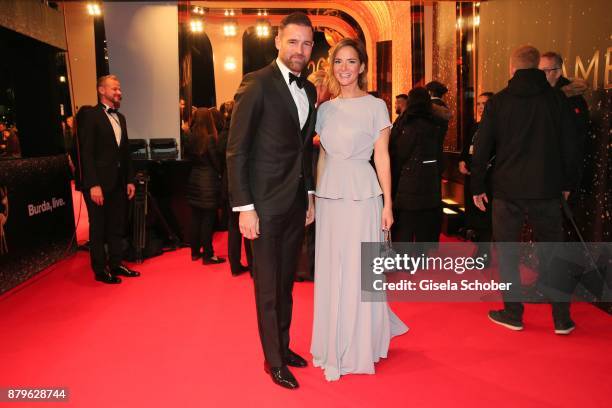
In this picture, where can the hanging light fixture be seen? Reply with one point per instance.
(197, 26)
(263, 29)
(93, 9)
(230, 28)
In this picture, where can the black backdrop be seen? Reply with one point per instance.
(40, 223)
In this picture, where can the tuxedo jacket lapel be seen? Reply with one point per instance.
(108, 127)
(283, 89)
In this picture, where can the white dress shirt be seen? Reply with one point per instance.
(303, 107)
(114, 121)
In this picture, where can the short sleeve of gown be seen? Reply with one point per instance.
(320, 117)
(381, 118)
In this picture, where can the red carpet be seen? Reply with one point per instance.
(185, 335)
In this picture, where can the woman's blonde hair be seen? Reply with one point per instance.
(357, 45)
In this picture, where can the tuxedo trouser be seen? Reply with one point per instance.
(275, 255)
(508, 218)
(107, 226)
(234, 242)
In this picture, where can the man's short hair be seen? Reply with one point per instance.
(554, 56)
(525, 57)
(487, 94)
(103, 79)
(402, 96)
(297, 18)
(437, 89)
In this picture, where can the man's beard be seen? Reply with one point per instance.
(296, 65)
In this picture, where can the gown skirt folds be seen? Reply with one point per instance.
(349, 335)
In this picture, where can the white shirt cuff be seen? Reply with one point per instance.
(248, 207)
(311, 192)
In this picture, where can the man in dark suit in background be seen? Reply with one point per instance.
(107, 179)
(269, 161)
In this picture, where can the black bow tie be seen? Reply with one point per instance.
(298, 80)
(111, 110)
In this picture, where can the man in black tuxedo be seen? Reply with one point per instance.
(269, 161)
(107, 179)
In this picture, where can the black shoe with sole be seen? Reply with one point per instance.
(212, 260)
(565, 326)
(106, 277)
(295, 360)
(503, 318)
(281, 376)
(124, 271)
(240, 270)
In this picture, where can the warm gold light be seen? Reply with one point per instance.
(93, 9)
(262, 13)
(459, 23)
(477, 21)
(263, 29)
(197, 26)
(229, 64)
(229, 13)
(62, 78)
(198, 10)
(230, 29)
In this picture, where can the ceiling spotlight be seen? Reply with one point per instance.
(230, 29)
(262, 13)
(62, 78)
(263, 29)
(229, 13)
(230, 64)
(93, 9)
(198, 10)
(197, 26)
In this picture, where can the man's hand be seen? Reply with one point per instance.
(310, 214)
(96, 195)
(249, 224)
(463, 168)
(131, 189)
(479, 201)
(566, 195)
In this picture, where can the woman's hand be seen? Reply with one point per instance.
(387, 218)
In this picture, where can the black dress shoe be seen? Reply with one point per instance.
(281, 376)
(295, 360)
(195, 257)
(242, 269)
(212, 260)
(106, 277)
(124, 271)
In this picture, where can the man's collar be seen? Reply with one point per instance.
(284, 70)
(107, 107)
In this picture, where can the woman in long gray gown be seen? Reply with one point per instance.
(349, 335)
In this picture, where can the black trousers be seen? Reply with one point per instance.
(508, 217)
(418, 225)
(234, 242)
(275, 255)
(479, 221)
(202, 229)
(107, 226)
